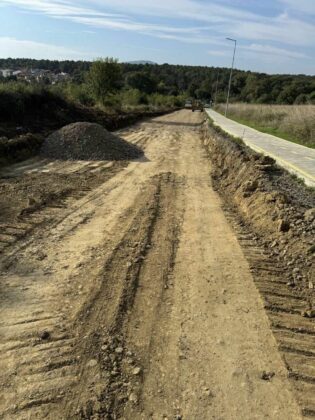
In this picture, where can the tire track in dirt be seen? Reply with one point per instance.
(134, 255)
(40, 215)
(35, 216)
(210, 340)
(135, 301)
(45, 369)
(295, 334)
(50, 367)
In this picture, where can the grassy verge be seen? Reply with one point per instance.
(240, 143)
(273, 131)
(293, 123)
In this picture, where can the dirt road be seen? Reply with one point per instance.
(135, 301)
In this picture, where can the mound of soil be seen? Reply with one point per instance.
(87, 141)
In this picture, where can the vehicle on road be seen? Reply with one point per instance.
(197, 106)
(208, 104)
(188, 104)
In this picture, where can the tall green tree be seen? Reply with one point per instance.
(105, 77)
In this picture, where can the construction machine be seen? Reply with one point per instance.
(197, 106)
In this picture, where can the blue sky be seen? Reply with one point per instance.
(274, 36)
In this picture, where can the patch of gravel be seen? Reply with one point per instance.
(87, 141)
(295, 189)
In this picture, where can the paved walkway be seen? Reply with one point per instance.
(297, 159)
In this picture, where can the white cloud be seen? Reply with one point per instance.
(269, 50)
(218, 53)
(306, 6)
(221, 20)
(62, 9)
(12, 47)
(57, 8)
(281, 29)
(130, 25)
(227, 20)
(205, 40)
(209, 12)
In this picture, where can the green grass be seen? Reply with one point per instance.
(240, 142)
(295, 123)
(273, 131)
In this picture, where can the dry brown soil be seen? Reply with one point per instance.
(129, 297)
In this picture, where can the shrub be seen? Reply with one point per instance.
(80, 93)
(18, 99)
(133, 97)
(301, 99)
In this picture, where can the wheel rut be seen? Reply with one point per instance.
(129, 296)
(123, 276)
(57, 371)
(284, 305)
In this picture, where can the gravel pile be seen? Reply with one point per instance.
(87, 141)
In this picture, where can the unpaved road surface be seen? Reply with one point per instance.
(132, 299)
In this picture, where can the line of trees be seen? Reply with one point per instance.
(177, 80)
(103, 84)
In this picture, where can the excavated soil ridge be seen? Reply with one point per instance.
(276, 205)
(87, 141)
(273, 215)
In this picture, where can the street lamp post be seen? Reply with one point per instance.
(230, 81)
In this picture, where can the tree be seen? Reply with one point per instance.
(105, 77)
(264, 99)
(311, 98)
(301, 99)
(192, 88)
(166, 79)
(202, 93)
(287, 95)
(142, 81)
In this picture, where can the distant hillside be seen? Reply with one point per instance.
(141, 62)
(194, 81)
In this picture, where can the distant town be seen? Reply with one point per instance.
(35, 75)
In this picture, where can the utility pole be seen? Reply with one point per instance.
(230, 81)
